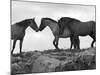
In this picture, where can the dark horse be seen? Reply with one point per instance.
(18, 31)
(55, 30)
(79, 28)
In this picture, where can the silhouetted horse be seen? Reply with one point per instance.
(18, 31)
(78, 28)
(55, 30)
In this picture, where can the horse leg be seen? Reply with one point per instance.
(56, 42)
(94, 39)
(92, 42)
(14, 43)
(71, 40)
(21, 42)
(76, 42)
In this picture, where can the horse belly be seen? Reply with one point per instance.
(82, 29)
(18, 36)
(66, 34)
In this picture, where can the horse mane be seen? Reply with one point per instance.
(50, 19)
(65, 21)
(74, 19)
(23, 22)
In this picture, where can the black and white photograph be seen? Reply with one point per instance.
(52, 37)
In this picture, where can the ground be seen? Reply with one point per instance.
(53, 61)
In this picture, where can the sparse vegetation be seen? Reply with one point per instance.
(53, 61)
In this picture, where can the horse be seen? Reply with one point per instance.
(18, 31)
(53, 25)
(79, 28)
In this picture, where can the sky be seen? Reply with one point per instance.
(43, 40)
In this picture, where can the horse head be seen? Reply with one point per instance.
(42, 24)
(33, 25)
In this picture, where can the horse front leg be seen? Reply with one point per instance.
(21, 42)
(71, 40)
(14, 44)
(55, 42)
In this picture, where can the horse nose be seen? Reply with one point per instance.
(37, 30)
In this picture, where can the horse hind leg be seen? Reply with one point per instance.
(76, 42)
(14, 43)
(94, 39)
(92, 43)
(21, 42)
(73, 43)
(71, 40)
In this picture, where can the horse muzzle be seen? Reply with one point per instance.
(37, 30)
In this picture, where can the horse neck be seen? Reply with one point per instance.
(54, 27)
(24, 25)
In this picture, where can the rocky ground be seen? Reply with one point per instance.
(53, 61)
